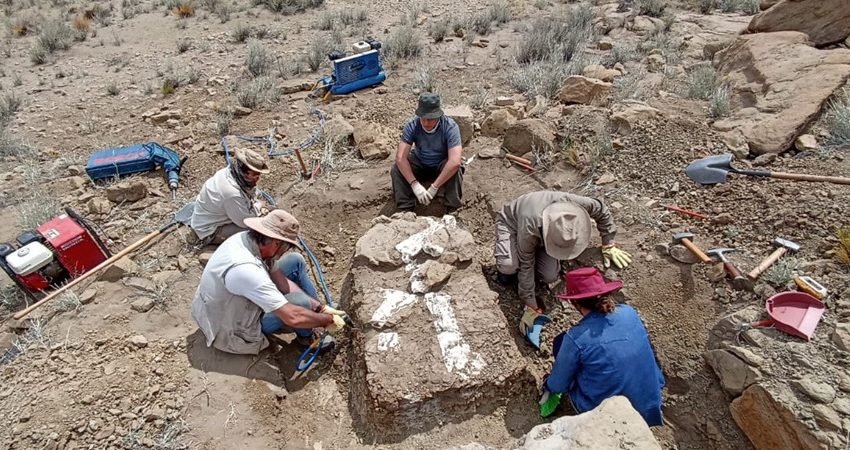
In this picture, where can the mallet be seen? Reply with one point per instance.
(783, 246)
(686, 239)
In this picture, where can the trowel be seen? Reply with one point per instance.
(533, 333)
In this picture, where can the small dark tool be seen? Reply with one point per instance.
(739, 281)
(783, 246)
(308, 357)
(686, 239)
(715, 169)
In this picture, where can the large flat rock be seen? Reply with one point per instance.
(433, 345)
(824, 21)
(612, 425)
(780, 82)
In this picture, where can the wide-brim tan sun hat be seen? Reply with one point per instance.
(277, 224)
(252, 159)
(566, 230)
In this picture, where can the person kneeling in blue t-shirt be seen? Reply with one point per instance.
(607, 353)
(435, 159)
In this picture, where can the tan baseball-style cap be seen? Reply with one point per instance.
(252, 159)
(277, 224)
(566, 230)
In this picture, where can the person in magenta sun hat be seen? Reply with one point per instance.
(607, 353)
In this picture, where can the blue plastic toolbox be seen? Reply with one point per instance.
(123, 161)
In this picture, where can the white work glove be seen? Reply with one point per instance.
(420, 193)
(432, 192)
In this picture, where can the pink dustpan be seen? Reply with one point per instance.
(795, 313)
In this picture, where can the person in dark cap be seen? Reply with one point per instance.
(430, 153)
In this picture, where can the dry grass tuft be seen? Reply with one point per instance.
(184, 8)
(82, 23)
(842, 253)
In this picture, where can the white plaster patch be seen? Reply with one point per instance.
(411, 246)
(456, 353)
(388, 340)
(394, 301)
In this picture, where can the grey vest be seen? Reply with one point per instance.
(230, 322)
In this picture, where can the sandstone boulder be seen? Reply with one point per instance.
(779, 85)
(293, 86)
(462, 115)
(584, 90)
(806, 142)
(118, 270)
(645, 25)
(824, 21)
(127, 191)
(99, 205)
(599, 72)
(527, 135)
(766, 4)
(627, 114)
(612, 425)
(764, 416)
(373, 141)
(338, 129)
(497, 123)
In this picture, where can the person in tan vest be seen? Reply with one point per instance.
(537, 231)
(249, 289)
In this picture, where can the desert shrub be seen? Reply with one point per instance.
(440, 29)
(425, 78)
(842, 252)
(500, 11)
(326, 21)
(257, 92)
(653, 8)
(623, 53)
(22, 25)
(728, 6)
(702, 82)
(10, 103)
(481, 23)
(38, 55)
(838, 120)
(750, 7)
(634, 86)
(55, 35)
(289, 6)
(257, 61)
(352, 16)
(223, 120)
(169, 85)
(241, 33)
(316, 54)
(183, 8)
(706, 6)
(183, 45)
(557, 36)
(719, 102)
(82, 23)
(403, 43)
(544, 78)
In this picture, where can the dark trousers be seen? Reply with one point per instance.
(404, 197)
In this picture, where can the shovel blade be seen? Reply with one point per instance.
(710, 170)
(184, 215)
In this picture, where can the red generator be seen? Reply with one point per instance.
(61, 249)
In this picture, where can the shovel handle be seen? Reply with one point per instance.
(755, 273)
(807, 177)
(762, 323)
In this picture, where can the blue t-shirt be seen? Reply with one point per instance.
(606, 355)
(431, 149)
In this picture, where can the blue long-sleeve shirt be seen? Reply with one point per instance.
(606, 355)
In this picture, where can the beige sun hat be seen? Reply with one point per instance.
(566, 230)
(277, 224)
(252, 159)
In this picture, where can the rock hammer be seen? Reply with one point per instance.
(739, 281)
(685, 239)
(783, 246)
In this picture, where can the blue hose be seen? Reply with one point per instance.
(315, 261)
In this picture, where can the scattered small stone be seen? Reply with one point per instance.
(806, 142)
(241, 111)
(204, 257)
(683, 255)
(121, 267)
(139, 341)
(844, 382)
(504, 101)
(490, 152)
(827, 418)
(764, 160)
(182, 262)
(329, 250)
(662, 248)
(127, 192)
(716, 272)
(141, 283)
(723, 219)
(764, 290)
(88, 296)
(841, 336)
(606, 178)
(143, 304)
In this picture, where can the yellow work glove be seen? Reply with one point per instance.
(620, 258)
(339, 324)
(528, 318)
(328, 310)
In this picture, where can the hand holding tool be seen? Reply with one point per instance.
(739, 281)
(337, 312)
(686, 239)
(338, 324)
(783, 246)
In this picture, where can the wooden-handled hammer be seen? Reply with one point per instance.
(739, 281)
(685, 239)
(783, 246)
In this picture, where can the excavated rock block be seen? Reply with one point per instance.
(627, 114)
(779, 85)
(824, 21)
(767, 420)
(338, 129)
(527, 135)
(497, 123)
(432, 344)
(612, 425)
(127, 191)
(372, 141)
(462, 115)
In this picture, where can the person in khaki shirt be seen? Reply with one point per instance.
(537, 231)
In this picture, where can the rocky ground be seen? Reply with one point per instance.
(110, 366)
